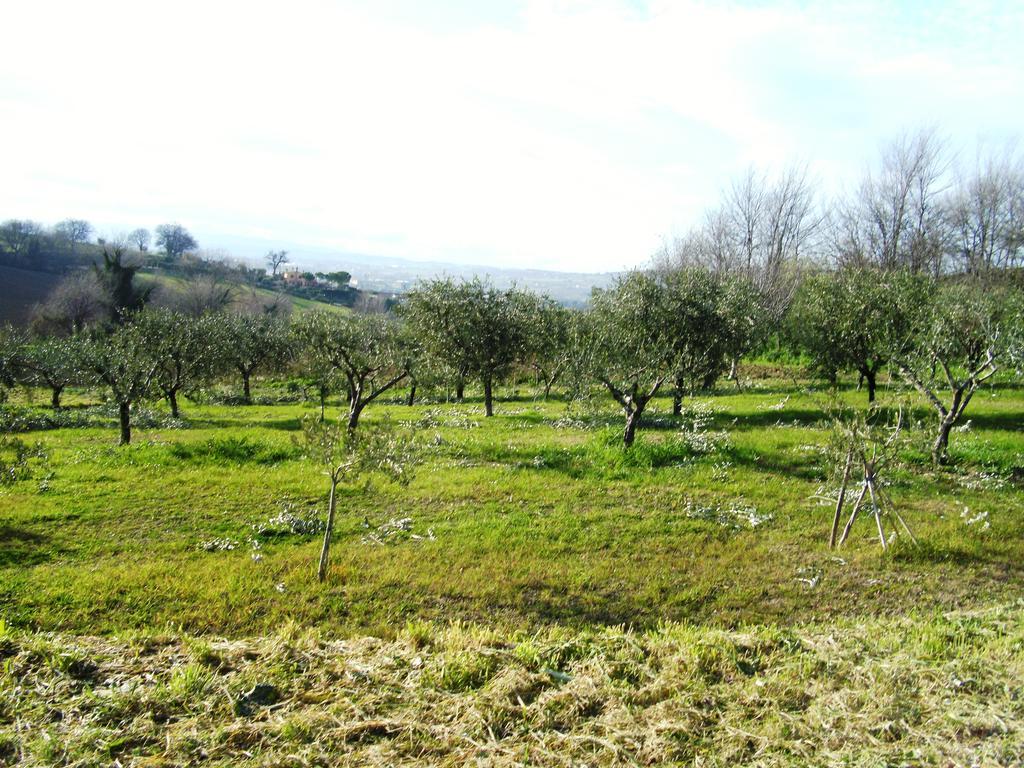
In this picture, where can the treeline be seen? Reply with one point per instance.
(675, 331)
(920, 207)
(912, 275)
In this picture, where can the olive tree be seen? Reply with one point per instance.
(696, 325)
(472, 328)
(628, 343)
(856, 319)
(365, 350)
(745, 319)
(254, 342)
(347, 456)
(12, 344)
(549, 345)
(958, 345)
(125, 361)
(190, 351)
(52, 363)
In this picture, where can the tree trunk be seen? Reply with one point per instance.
(355, 408)
(677, 396)
(547, 387)
(321, 571)
(709, 380)
(323, 402)
(734, 372)
(172, 399)
(125, 418)
(246, 392)
(940, 449)
(55, 393)
(460, 389)
(869, 376)
(412, 395)
(488, 397)
(632, 421)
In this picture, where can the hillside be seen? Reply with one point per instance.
(20, 290)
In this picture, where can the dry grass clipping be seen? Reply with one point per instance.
(929, 690)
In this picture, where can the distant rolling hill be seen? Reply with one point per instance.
(397, 275)
(20, 290)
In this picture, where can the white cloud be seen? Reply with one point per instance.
(572, 136)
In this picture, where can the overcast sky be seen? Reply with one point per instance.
(564, 135)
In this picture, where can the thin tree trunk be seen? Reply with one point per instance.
(940, 449)
(354, 410)
(321, 571)
(124, 412)
(488, 397)
(632, 421)
(323, 402)
(412, 395)
(460, 389)
(870, 377)
(55, 393)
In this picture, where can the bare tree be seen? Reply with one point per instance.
(201, 294)
(276, 260)
(140, 238)
(74, 304)
(985, 215)
(175, 240)
(894, 219)
(761, 232)
(73, 232)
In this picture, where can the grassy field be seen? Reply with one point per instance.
(535, 596)
(533, 517)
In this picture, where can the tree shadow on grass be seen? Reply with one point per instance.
(776, 462)
(293, 424)
(19, 547)
(950, 554)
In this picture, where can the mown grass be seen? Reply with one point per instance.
(924, 689)
(535, 517)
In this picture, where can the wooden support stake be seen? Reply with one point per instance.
(842, 497)
(886, 498)
(853, 515)
(878, 514)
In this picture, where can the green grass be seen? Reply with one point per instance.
(298, 303)
(533, 518)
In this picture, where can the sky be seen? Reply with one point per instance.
(561, 135)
